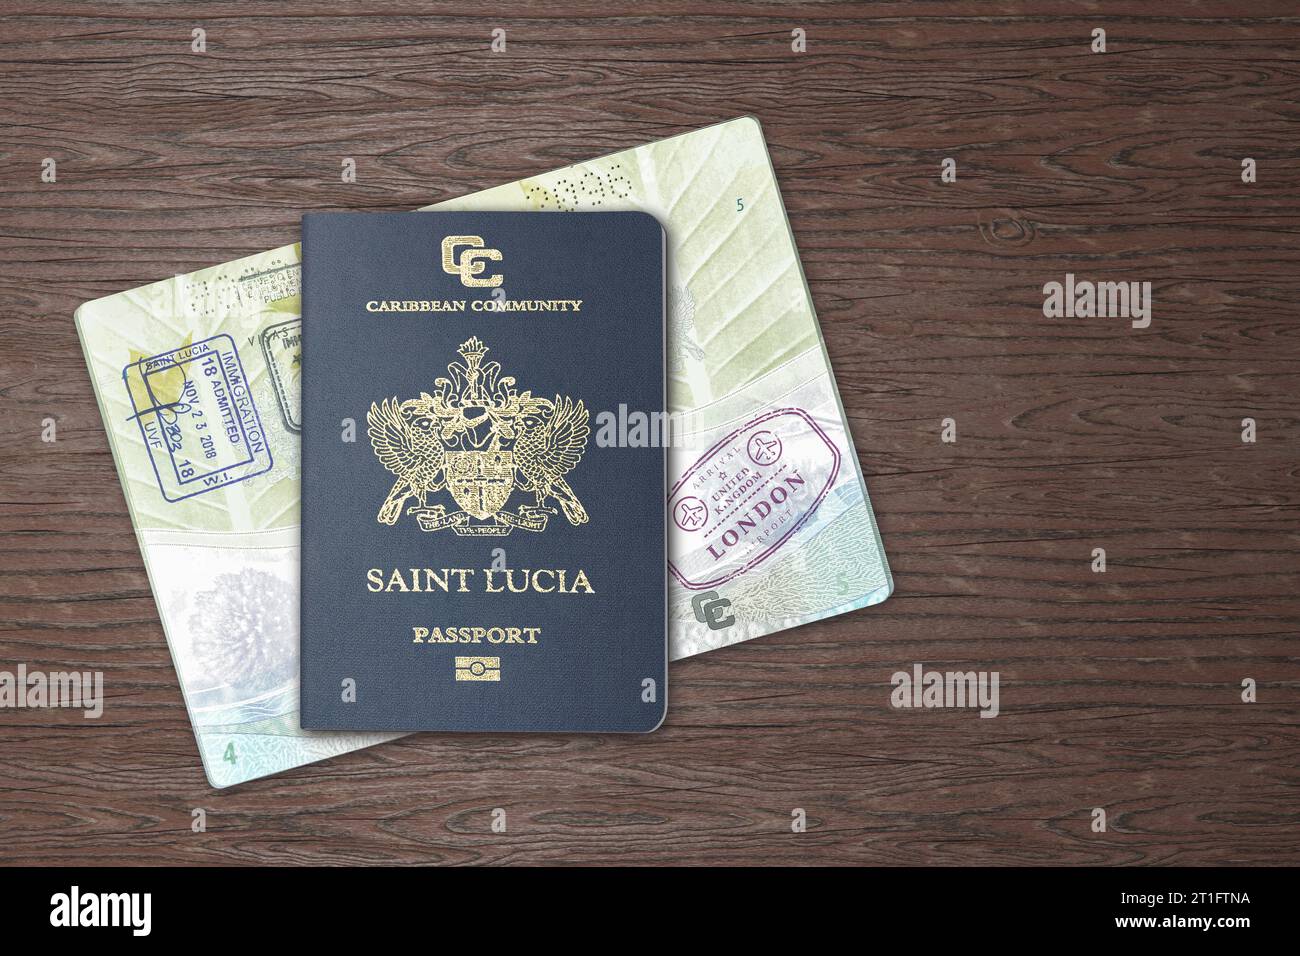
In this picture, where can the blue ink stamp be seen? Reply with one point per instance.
(195, 409)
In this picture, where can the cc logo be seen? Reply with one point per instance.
(469, 265)
(711, 610)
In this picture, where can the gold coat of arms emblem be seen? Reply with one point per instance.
(479, 439)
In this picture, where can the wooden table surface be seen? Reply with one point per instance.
(1119, 690)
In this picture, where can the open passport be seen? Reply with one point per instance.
(769, 524)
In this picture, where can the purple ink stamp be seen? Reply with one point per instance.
(744, 497)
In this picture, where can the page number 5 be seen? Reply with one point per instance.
(740, 204)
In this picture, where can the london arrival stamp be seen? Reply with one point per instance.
(197, 417)
(744, 497)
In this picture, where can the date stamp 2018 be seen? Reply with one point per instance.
(196, 414)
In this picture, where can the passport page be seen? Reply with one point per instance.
(769, 524)
(197, 381)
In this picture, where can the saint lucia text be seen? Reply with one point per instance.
(493, 580)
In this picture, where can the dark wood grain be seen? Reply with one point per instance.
(1119, 690)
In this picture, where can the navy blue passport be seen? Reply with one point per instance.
(483, 462)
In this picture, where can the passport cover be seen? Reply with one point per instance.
(483, 531)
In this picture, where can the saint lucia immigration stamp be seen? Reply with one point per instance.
(196, 414)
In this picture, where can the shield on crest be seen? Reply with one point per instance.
(480, 481)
